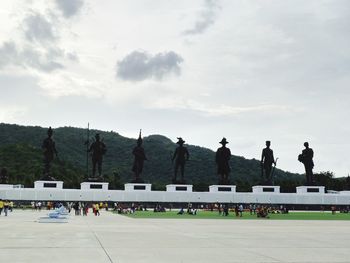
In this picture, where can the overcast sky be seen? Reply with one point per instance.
(246, 70)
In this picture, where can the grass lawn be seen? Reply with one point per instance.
(231, 216)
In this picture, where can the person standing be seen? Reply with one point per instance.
(240, 210)
(98, 149)
(267, 159)
(181, 155)
(222, 159)
(1, 206)
(306, 157)
(6, 207)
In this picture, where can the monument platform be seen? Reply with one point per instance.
(266, 189)
(94, 186)
(222, 188)
(138, 187)
(310, 190)
(48, 184)
(179, 188)
(175, 193)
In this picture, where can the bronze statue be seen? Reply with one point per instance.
(49, 151)
(267, 160)
(139, 158)
(98, 149)
(222, 159)
(181, 155)
(306, 157)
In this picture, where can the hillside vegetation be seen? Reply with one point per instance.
(21, 155)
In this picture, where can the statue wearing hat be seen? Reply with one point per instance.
(306, 157)
(98, 149)
(222, 159)
(267, 159)
(180, 156)
(49, 151)
(139, 158)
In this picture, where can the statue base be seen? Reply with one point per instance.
(179, 188)
(137, 181)
(310, 190)
(222, 188)
(47, 178)
(95, 179)
(41, 184)
(94, 186)
(224, 181)
(138, 187)
(176, 181)
(266, 189)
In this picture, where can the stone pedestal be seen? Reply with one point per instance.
(94, 186)
(179, 188)
(310, 190)
(48, 185)
(6, 186)
(138, 187)
(222, 188)
(266, 189)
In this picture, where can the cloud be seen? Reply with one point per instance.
(140, 65)
(11, 113)
(65, 84)
(38, 28)
(217, 110)
(43, 60)
(69, 8)
(205, 19)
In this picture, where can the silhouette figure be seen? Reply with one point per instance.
(306, 158)
(267, 160)
(139, 158)
(49, 151)
(98, 149)
(180, 156)
(222, 159)
(3, 176)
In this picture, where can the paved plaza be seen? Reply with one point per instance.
(115, 238)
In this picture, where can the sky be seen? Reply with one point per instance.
(246, 70)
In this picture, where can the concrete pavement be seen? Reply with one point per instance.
(115, 238)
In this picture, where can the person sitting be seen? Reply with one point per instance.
(181, 212)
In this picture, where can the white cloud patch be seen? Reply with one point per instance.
(140, 65)
(11, 113)
(69, 8)
(62, 84)
(206, 18)
(38, 28)
(216, 110)
(43, 60)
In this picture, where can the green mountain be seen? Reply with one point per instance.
(21, 155)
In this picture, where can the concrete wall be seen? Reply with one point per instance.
(341, 198)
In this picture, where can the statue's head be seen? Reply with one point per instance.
(49, 132)
(97, 137)
(224, 141)
(268, 143)
(180, 141)
(306, 144)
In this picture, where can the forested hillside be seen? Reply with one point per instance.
(20, 154)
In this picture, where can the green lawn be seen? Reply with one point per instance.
(231, 216)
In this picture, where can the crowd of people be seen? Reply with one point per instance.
(6, 206)
(224, 209)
